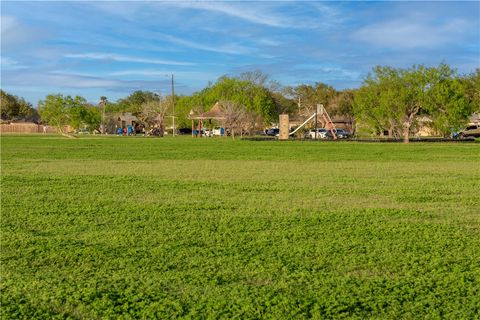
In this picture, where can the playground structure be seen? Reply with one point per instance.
(199, 120)
(320, 112)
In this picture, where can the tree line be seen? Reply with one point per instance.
(390, 99)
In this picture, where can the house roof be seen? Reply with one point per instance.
(214, 113)
(127, 117)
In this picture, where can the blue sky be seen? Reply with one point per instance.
(113, 48)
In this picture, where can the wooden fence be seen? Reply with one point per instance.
(26, 128)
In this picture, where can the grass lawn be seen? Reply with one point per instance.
(121, 227)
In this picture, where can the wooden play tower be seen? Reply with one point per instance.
(320, 112)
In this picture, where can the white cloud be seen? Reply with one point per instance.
(149, 73)
(243, 12)
(55, 79)
(15, 34)
(410, 34)
(267, 13)
(10, 64)
(59, 80)
(146, 73)
(122, 58)
(231, 48)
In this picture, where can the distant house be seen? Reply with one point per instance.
(474, 119)
(113, 121)
(424, 127)
(343, 122)
(126, 119)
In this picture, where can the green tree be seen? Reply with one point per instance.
(394, 98)
(53, 111)
(308, 97)
(449, 105)
(342, 105)
(92, 117)
(472, 88)
(185, 104)
(76, 111)
(133, 103)
(16, 108)
(58, 110)
(253, 97)
(368, 108)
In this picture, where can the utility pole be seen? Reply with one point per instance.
(173, 105)
(103, 100)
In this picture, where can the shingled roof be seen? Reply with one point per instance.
(214, 113)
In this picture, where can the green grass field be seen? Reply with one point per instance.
(163, 228)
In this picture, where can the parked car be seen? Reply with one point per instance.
(184, 131)
(218, 131)
(339, 133)
(321, 133)
(470, 131)
(273, 132)
(199, 132)
(82, 131)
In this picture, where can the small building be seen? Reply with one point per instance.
(126, 119)
(199, 119)
(474, 119)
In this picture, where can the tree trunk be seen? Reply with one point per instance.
(406, 132)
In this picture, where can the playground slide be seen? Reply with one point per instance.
(300, 126)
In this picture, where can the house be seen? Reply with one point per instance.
(474, 119)
(126, 119)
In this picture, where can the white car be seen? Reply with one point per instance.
(218, 131)
(321, 133)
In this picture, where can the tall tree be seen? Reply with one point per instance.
(252, 96)
(342, 105)
(58, 110)
(153, 113)
(448, 102)
(472, 88)
(53, 111)
(235, 115)
(133, 103)
(395, 98)
(76, 111)
(16, 108)
(308, 97)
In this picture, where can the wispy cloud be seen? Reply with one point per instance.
(149, 73)
(15, 34)
(122, 58)
(230, 48)
(408, 34)
(161, 74)
(254, 15)
(276, 14)
(10, 64)
(64, 80)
